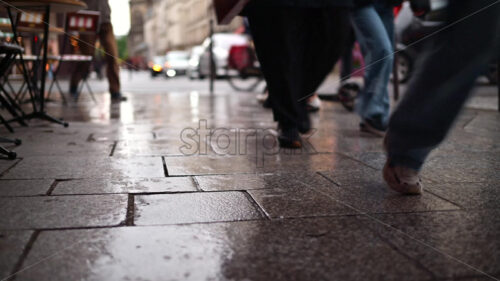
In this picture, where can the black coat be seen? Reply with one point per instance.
(301, 3)
(361, 3)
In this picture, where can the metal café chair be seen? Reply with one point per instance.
(81, 23)
(8, 54)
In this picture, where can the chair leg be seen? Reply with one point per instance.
(49, 91)
(79, 91)
(6, 124)
(14, 141)
(12, 101)
(10, 154)
(90, 90)
(63, 97)
(11, 109)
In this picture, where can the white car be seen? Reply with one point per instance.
(177, 63)
(222, 44)
(193, 70)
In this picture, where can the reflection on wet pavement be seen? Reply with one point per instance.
(188, 186)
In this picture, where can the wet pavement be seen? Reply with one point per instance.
(176, 184)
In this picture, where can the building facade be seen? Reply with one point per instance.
(164, 25)
(137, 46)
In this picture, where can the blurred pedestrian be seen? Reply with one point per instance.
(108, 43)
(297, 43)
(373, 22)
(444, 77)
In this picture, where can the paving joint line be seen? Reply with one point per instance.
(196, 183)
(129, 218)
(10, 168)
(91, 138)
(402, 253)
(445, 199)
(254, 202)
(52, 187)
(165, 169)
(115, 143)
(22, 258)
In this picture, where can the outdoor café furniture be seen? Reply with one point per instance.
(8, 54)
(81, 23)
(45, 7)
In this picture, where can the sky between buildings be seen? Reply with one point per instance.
(120, 16)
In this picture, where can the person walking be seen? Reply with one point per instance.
(108, 43)
(298, 43)
(444, 77)
(373, 23)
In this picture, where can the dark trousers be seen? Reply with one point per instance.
(347, 59)
(297, 48)
(443, 80)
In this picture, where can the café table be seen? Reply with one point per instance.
(45, 7)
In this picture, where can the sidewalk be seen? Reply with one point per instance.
(139, 191)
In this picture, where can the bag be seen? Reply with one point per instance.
(226, 10)
(240, 58)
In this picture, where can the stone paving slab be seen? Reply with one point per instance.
(485, 124)
(6, 164)
(24, 187)
(206, 165)
(462, 241)
(75, 167)
(305, 249)
(252, 181)
(307, 162)
(345, 140)
(148, 148)
(12, 244)
(47, 212)
(469, 195)
(361, 196)
(359, 174)
(296, 202)
(238, 182)
(279, 163)
(69, 147)
(379, 199)
(194, 207)
(132, 185)
(461, 141)
(464, 167)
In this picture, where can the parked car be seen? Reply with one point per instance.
(156, 65)
(177, 63)
(221, 46)
(193, 70)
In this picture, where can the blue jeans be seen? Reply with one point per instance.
(374, 28)
(443, 80)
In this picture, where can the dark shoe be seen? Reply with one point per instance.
(348, 94)
(117, 97)
(373, 126)
(73, 92)
(289, 138)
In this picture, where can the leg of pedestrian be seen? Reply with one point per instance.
(297, 48)
(374, 26)
(445, 76)
(108, 42)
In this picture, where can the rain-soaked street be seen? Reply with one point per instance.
(178, 184)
